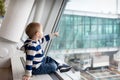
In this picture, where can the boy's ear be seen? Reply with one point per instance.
(37, 33)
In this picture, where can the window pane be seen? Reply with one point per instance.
(82, 34)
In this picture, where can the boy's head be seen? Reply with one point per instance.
(34, 29)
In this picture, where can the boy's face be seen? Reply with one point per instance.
(40, 33)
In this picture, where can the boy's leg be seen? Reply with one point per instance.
(49, 60)
(45, 68)
(61, 67)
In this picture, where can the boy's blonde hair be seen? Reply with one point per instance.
(32, 28)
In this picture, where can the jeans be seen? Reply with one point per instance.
(47, 66)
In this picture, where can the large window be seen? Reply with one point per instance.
(78, 32)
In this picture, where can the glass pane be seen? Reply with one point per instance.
(87, 20)
(83, 33)
(93, 20)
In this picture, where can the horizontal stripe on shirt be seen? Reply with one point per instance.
(38, 59)
(29, 57)
(39, 55)
(28, 67)
(29, 62)
(36, 62)
(37, 48)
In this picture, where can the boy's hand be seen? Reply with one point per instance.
(26, 77)
(56, 34)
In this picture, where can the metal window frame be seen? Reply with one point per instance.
(55, 28)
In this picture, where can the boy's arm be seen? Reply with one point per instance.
(48, 37)
(29, 60)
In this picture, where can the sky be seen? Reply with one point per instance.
(101, 6)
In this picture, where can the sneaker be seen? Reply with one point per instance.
(63, 66)
(65, 69)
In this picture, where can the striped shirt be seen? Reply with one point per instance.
(34, 53)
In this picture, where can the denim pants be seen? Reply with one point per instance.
(48, 65)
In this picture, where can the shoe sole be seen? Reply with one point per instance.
(65, 70)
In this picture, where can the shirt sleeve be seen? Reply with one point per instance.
(31, 51)
(47, 38)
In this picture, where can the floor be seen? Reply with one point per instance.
(5, 74)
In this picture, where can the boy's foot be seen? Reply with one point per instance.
(65, 69)
(63, 66)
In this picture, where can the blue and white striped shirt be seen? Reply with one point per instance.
(34, 53)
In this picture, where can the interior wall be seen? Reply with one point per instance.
(12, 28)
